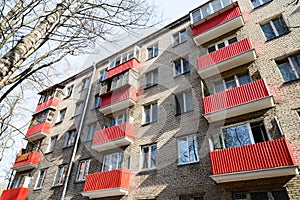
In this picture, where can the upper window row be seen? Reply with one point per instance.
(257, 3)
(124, 57)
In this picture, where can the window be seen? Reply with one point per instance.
(231, 82)
(149, 113)
(70, 139)
(274, 195)
(60, 175)
(151, 78)
(21, 180)
(179, 37)
(78, 109)
(257, 3)
(69, 91)
(97, 101)
(290, 68)
(184, 102)
(133, 53)
(188, 149)
(113, 161)
(191, 198)
(91, 129)
(152, 51)
(118, 118)
(208, 9)
(274, 28)
(41, 179)
(240, 135)
(148, 156)
(221, 44)
(181, 66)
(102, 75)
(85, 83)
(52, 143)
(114, 83)
(83, 169)
(61, 115)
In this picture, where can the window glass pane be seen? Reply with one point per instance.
(145, 155)
(280, 26)
(211, 49)
(176, 39)
(155, 50)
(153, 156)
(182, 35)
(280, 195)
(217, 142)
(219, 86)
(193, 149)
(216, 5)
(186, 65)
(114, 83)
(130, 55)
(147, 113)
(114, 161)
(221, 45)
(106, 163)
(118, 61)
(259, 132)
(148, 77)
(121, 160)
(183, 153)
(268, 31)
(232, 40)
(206, 10)
(155, 77)
(177, 67)
(287, 72)
(189, 101)
(154, 112)
(196, 16)
(230, 83)
(244, 79)
(296, 63)
(236, 136)
(179, 103)
(255, 3)
(226, 2)
(259, 196)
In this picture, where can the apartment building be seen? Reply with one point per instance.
(206, 108)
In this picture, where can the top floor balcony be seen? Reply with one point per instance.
(209, 23)
(132, 63)
(50, 103)
(262, 160)
(27, 161)
(229, 57)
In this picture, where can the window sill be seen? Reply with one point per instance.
(181, 74)
(79, 181)
(189, 163)
(291, 81)
(75, 116)
(151, 86)
(57, 186)
(37, 189)
(178, 114)
(146, 171)
(49, 152)
(148, 123)
(175, 45)
(66, 97)
(57, 123)
(274, 38)
(151, 58)
(67, 147)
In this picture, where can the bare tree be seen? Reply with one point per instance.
(36, 34)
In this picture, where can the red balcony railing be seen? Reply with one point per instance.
(53, 102)
(216, 21)
(113, 133)
(14, 194)
(132, 63)
(27, 160)
(225, 53)
(240, 95)
(109, 180)
(120, 94)
(43, 127)
(265, 155)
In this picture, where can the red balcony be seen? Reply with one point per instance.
(112, 137)
(14, 194)
(118, 99)
(132, 63)
(227, 58)
(27, 161)
(241, 100)
(217, 26)
(51, 103)
(107, 184)
(262, 160)
(38, 131)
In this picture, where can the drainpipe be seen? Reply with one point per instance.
(78, 135)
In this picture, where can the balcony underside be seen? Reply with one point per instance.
(219, 30)
(105, 193)
(256, 174)
(37, 136)
(112, 144)
(245, 108)
(228, 64)
(121, 105)
(25, 167)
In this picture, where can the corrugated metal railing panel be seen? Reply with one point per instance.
(225, 53)
(236, 96)
(14, 194)
(113, 133)
(42, 127)
(132, 63)
(275, 153)
(119, 94)
(216, 21)
(51, 102)
(119, 178)
(28, 158)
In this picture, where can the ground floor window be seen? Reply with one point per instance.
(266, 195)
